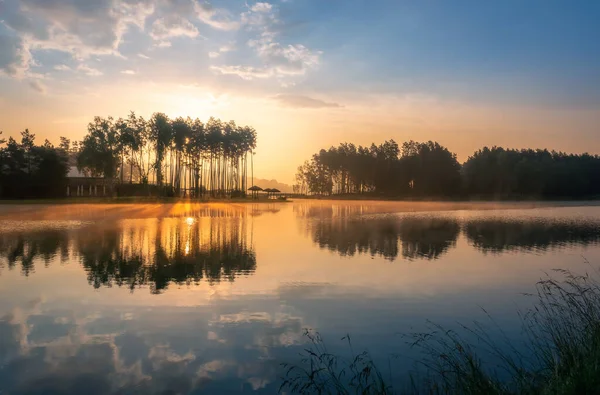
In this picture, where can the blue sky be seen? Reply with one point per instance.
(310, 73)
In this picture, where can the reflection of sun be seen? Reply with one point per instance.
(189, 220)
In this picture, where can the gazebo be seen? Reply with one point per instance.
(275, 191)
(255, 189)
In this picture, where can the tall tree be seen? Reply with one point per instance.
(100, 149)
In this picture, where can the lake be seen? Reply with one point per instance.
(213, 298)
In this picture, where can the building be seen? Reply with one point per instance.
(82, 185)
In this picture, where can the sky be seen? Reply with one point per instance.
(308, 74)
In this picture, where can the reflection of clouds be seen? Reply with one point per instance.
(267, 330)
(56, 351)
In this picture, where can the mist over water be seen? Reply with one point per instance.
(212, 298)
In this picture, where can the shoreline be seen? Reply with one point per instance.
(136, 200)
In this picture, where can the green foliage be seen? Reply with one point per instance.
(430, 170)
(183, 154)
(499, 172)
(418, 169)
(30, 171)
(100, 149)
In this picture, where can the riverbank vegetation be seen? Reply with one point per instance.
(429, 170)
(560, 354)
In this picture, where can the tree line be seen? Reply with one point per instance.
(181, 156)
(30, 170)
(430, 170)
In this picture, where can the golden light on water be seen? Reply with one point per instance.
(190, 221)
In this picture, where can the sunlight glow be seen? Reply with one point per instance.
(190, 221)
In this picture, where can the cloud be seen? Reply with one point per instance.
(173, 26)
(279, 60)
(62, 67)
(226, 48)
(141, 55)
(299, 101)
(37, 86)
(244, 72)
(14, 55)
(289, 60)
(128, 72)
(80, 28)
(217, 18)
(90, 71)
(214, 55)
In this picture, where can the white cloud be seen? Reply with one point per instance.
(80, 28)
(280, 60)
(289, 60)
(89, 71)
(262, 7)
(128, 72)
(173, 26)
(62, 67)
(217, 18)
(244, 72)
(14, 56)
(88, 28)
(226, 48)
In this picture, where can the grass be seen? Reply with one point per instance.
(560, 356)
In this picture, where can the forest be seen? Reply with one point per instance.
(29, 170)
(186, 157)
(183, 155)
(429, 170)
(178, 157)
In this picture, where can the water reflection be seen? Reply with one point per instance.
(117, 350)
(232, 337)
(498, 235)
(139, 252)
(412, 238)
(348, 231)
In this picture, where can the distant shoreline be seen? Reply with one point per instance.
(135, 200)
(334, 198)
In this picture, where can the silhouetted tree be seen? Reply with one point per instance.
(508, 173)
(421, 169)
(100, 150)
(30, 171)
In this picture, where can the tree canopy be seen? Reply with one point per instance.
(431, 170)
(30, 171)
(183, 154)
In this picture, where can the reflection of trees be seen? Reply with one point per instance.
(412, 237)
(494, 235)
(427, 237)
(24, 248)
(143, 252)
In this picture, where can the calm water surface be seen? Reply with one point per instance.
(176, 299)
